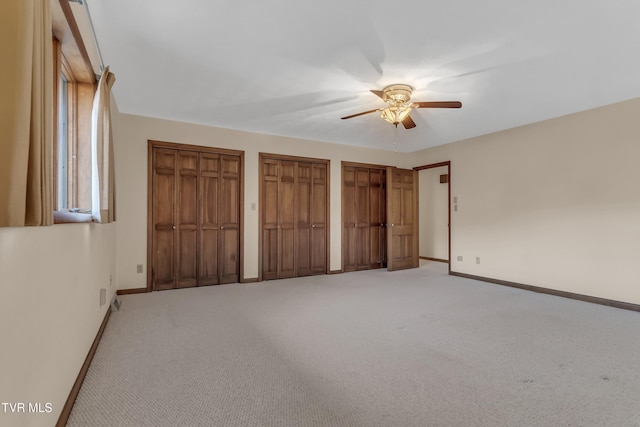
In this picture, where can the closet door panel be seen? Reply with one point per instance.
(229, 260)
(229, 211)
(209, 258)
(376, 217)
(362, 219)
(209, 223)
(164, 255)
(187, 219)
(286, 220)
(349, 218)
(269, 254)
(303, 219)
(164, 271)
(269, 212)
(318, 219)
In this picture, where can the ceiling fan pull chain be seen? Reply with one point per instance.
(395, 138)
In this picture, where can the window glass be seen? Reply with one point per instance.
(63, 144)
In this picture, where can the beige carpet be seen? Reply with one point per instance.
(409, 348)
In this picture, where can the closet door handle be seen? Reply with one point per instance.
(174, 227)
(221, 228)
(313, 226)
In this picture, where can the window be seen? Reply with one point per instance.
(83, 151)
(72, 150)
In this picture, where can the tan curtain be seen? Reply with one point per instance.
(102, 175)
(26, 112)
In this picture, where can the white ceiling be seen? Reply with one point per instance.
(294, 67)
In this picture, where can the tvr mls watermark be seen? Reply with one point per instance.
(27, 407)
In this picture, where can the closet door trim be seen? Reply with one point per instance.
(151, 145)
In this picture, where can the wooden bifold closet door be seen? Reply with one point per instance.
(293, 217)
(379, 217)
(194, 216)
(364, 205)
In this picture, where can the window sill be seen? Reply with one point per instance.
(66, 217)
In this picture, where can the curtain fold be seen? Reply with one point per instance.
(26, 113)
(103, 171)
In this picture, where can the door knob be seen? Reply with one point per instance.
(174, 227)
(313, 226)
(221, 228)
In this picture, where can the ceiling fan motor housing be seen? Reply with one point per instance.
(397, 94)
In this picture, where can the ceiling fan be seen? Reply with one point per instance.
(399, 108)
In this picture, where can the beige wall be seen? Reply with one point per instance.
(50, 310)
(554, 204)
(433, 213)
(131, 180)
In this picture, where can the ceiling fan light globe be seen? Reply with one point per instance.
(403, 113)
(395, 114)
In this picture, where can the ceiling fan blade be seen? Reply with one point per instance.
(408, 123)
(359, 114)
(378, 93)
(438, 104)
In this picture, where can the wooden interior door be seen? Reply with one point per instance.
(364, 216)
(349, 209)
(229, 214)
(163, 196)
(187, 224)
(356, 220)
(402, 215)
(311, 218)
(303, 218)
(318, 213)
(362, 219)
(195, 216)
(278, 219)
(377, 218)
(269, 217)
(294, 217)
(286, 220)
(209, 224)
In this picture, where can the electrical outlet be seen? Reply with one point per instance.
(253, 206)
(455, 199)
(459, 257)
(455, 208)
(139, 268)
(477, 260)
(103, 296)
